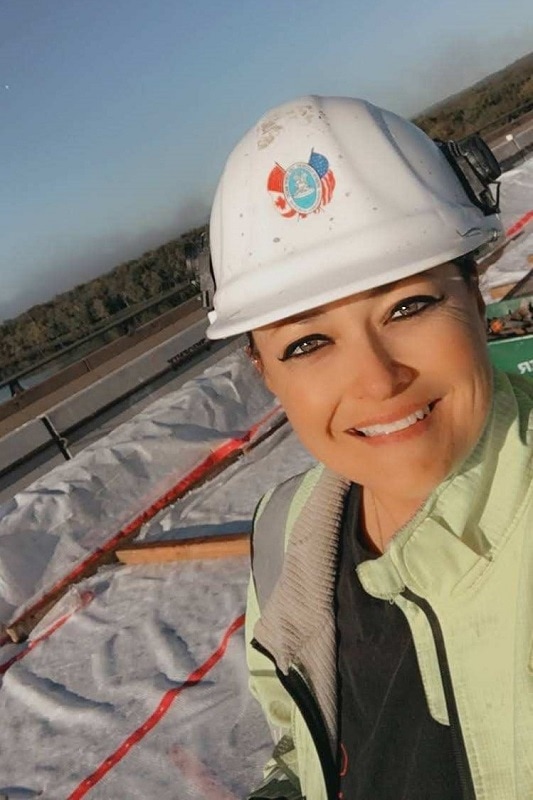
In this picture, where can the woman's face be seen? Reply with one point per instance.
(389, 387)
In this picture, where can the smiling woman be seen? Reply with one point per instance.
(383, 652)
(388, 387)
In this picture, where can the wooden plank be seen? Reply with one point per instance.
(185, 549)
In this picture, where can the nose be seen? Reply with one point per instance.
(376, 373)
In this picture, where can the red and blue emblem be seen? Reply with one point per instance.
(303, 187)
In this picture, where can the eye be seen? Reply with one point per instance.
(305, 346)
(412, 306)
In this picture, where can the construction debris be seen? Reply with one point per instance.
(518, 322)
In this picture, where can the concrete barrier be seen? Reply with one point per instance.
(124, 381)
(31, 437)
(19, 444)
(96, 358)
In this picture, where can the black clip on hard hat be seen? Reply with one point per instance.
(474, 163)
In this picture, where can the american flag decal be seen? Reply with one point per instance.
(302, 188)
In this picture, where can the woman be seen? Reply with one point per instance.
(392, 651)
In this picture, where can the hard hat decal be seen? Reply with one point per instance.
(303, 187)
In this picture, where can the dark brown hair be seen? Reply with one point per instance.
(467, 266)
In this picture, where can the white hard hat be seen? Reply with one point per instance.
(326, 197)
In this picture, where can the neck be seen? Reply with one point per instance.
(384, 516)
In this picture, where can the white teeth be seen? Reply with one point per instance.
(398, 425)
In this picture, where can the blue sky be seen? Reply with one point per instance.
(116, 116)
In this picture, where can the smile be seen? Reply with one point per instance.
(385, 429)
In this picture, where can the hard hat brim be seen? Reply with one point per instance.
(257, 299)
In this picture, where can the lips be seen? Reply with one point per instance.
(394, 426)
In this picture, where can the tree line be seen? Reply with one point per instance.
(48, 328)
(507, 92)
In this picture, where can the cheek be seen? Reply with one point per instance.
(461, 368)
(461, 352)
(306, 398)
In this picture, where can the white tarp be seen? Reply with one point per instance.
(80, 693)
(516, 201)
(51, 526)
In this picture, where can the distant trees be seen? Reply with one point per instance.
(481, 104)
(49, 327)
